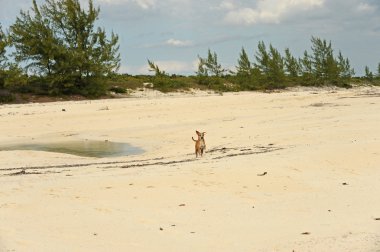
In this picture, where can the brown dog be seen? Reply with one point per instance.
(200, 144)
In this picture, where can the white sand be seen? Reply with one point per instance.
(309, 142)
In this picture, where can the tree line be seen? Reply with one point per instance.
(55, 48)
(268, 68)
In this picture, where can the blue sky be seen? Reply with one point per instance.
(172, 33)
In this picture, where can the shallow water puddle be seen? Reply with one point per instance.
(84, 148)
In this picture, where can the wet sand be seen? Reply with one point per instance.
(290, 171)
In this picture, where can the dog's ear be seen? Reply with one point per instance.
(198, 133)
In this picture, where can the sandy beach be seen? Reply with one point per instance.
(297, 170)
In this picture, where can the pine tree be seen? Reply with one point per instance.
(368, 73)
(213, 64)
(202, 69)
(344, 66)
(321, 58)
(3, 45)
(306, 69)
(244, 67)
(306, 64)
(276, 71)
(271, 65)
(326, 68)
(291, 64)
(154, 68)
(332, 69)
(34, 41)
(2, 57)
(210, 65)
(58, 41)
(262, 58)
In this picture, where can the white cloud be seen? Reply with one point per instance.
(114, 2)
(170, 42)
(269, 11)
(242, 16)
(144, 4)
(178, 43)
(227, 5)
(365, 7)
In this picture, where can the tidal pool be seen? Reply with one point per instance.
(84, 148)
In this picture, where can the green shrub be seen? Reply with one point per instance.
(6, 96)
(118, 90)
(169, 84)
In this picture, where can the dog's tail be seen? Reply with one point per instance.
(193, 139)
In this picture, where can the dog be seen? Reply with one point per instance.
(200, 144)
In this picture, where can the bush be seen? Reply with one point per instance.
(6, 96)
(118, 90)
(93, 88)
(168, 84)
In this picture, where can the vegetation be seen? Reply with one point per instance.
(370, 77)
(57, 50)
(3, 45)
(163, 82)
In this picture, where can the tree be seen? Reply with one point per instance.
(154, 68)
(10, 72)
(58, 41)
(3, 58)
(202, 69)
(291, 65)
(271, 65)
(92, 53)
(332, 69)
(262, 58)
(34, 41)
(345, 67)
(326, 68)
(276, 72)
(368, 73)
(248, 75)
(378, 70)
(321, 58)
(209, 70)
(306, 63)
(244, 66)
(210, 65)
(3, 45)
(320, 51)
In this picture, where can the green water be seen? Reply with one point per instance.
(84, 148)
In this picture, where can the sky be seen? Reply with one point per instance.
(173, 33)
